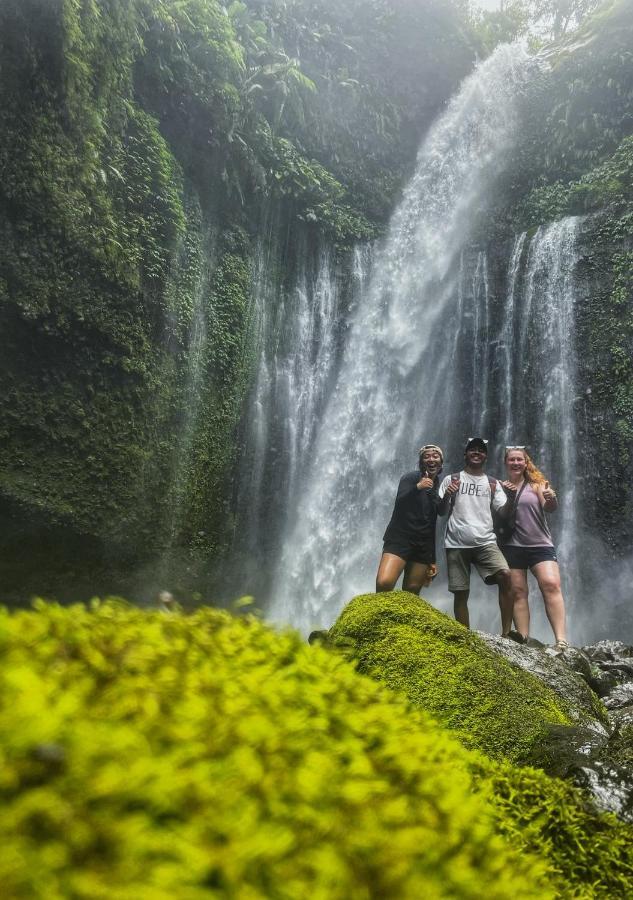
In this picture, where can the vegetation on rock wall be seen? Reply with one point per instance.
(576, 158)
(206, 756)
(141, 145)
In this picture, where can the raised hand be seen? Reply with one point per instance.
(548, 492)
(425, 483)
(509, 485)
(453, 486)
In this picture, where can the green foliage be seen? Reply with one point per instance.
(382, 70)
(450, 672)
(136, 138)
(161, 755)
(607, 187)
(607, 329)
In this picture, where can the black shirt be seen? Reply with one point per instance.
(414, 513)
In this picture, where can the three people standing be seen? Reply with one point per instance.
(469, 499)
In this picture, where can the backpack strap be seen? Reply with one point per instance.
(493, 487)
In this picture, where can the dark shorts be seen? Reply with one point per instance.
(420, 553)
(526, 557)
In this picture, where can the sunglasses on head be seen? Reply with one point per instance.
(516, 447)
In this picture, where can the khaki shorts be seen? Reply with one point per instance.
(488, 560)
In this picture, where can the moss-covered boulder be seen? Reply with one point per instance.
(159, 755)
(405, 643)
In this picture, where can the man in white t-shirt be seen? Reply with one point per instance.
(470, 539)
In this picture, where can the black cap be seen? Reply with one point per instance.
(478, 442)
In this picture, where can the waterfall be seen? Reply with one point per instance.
(297, 328)
(543, 378)
(438, 339)
(395, 386)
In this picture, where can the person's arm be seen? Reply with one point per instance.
(445, 494)
(500, 502)
(407, 485)
(547, 496)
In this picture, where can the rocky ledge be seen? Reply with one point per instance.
(596, 684)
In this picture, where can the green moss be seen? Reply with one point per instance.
(442, 667)
(160, 755)
(590, 855)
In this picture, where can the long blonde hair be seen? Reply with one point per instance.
(532, 475)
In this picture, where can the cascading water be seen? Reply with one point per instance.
(530, 380)
(298, 339)
(391, 388)
(443, 341)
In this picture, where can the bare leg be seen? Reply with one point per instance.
(416, 576)
(506, 603)
(521, 610)
(460, 607)
(389, 570)
(547, 574)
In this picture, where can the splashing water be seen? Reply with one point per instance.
(394, 385)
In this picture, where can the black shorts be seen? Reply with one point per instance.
(526, 557)
(420, 553)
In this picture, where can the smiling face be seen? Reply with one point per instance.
(431, 461)
(516, 464)
(475, 457)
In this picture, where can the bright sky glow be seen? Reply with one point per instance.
(487, 4)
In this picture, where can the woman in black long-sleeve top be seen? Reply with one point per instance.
(409, 541)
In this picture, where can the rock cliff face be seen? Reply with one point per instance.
(147, 150)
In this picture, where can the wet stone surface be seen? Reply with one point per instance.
(620, 695)
(596, 685)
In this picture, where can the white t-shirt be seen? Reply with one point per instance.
(470, 523)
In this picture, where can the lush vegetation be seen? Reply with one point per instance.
(575, 157)
(152, 754)
(142, 145)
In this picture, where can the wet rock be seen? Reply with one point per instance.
(608, 651)
(621, 718)
(575, 659)
(621, 695)
(598, 759)
(611, 787)
(602, 682)
(559, 672)
(319, 637)
(567, 749)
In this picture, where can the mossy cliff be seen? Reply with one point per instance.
(575, 157)
(151, 754)
(143, 147)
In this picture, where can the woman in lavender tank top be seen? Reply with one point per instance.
(531, 546)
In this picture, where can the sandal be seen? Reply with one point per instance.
(516, 636)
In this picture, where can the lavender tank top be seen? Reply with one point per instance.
(531, 528)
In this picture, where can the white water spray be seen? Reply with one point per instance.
(390, 390)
